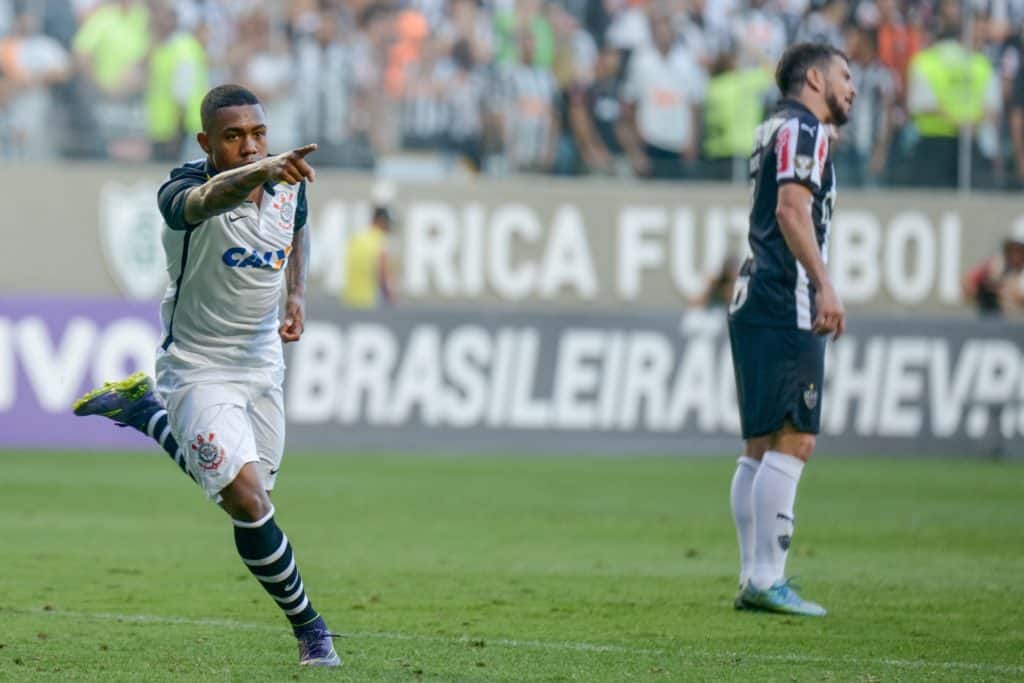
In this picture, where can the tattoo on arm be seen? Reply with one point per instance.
(298, 263)
(223, 192)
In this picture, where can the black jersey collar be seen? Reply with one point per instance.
(795, 104)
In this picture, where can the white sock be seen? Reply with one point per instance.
(773, 495)
(743, 512)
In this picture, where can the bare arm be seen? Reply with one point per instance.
(794, 215)
(295, 279)
(629, 138)
(227, 190)
(1017, 132)
(592, 148)
(692, 151)
(386, 282)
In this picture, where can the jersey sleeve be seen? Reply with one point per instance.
(301, 208)
(801, 152)
(171, 196)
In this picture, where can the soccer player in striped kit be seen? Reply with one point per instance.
(235, 236)
(783, 308)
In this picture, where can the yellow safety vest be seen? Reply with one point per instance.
(732, 112)
(116, 40)
(959, 79)
(362, 268)
(167, 117)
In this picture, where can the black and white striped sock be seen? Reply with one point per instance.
(267, 553)
(159, 429)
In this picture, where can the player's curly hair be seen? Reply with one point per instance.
(791, 73)
(229, 95)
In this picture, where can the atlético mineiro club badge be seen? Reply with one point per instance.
(810, 397)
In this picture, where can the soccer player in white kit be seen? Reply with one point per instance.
(235, 237)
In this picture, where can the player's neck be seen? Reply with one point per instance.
(814, 105)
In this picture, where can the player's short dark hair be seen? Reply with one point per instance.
(791, 73)
(229, 95)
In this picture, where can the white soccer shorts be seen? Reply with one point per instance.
(221, 426)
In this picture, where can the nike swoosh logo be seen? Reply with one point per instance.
(294, 583)
(233, 217)
(273, 472)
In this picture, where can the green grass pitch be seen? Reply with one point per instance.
(517, 568)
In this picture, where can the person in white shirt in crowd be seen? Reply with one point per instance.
(662, 96)
(30, 63)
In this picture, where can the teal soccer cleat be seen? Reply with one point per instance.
(781, 597)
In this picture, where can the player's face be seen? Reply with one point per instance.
(839, 91)
(238, 136)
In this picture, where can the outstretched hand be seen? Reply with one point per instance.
(291, 167)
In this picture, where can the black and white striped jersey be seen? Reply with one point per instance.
(773, 288)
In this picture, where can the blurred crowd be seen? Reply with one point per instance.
(652, 88)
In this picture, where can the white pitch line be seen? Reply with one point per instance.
(555, 645)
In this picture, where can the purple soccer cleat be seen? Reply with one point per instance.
(316, 645)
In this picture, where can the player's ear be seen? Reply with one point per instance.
(204, 141)
(816, 79)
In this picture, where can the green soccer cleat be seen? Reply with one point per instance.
(130, 401)
(782, 598)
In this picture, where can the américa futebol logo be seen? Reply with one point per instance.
(209, 454)
(244, 257)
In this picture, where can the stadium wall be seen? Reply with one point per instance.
(537, 244)
(478, 379)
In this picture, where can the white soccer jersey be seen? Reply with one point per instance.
(220, 310)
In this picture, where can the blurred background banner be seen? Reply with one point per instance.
(519, 242)
(52, 350)
(481, 380)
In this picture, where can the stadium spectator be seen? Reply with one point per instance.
(466, 88)
(759, 34)
(863, 148)
(705, 40)
(110, 48)
(629, 28)
(594, 112)
(574, 66)
(375, 107)
(824, 24)
(1016, 124)
(178, 80)
(325, 88)
(468, 23)
(663, 91)
(950, 87)
(425, 101)
(898, 41)
(734, 107)
(267, 67)
(368, 271)
(519, 16)
(996, 285)
(30, 63)
(529, 126)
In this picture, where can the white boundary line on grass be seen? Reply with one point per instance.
(554, 645)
